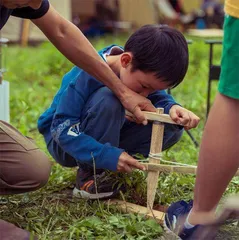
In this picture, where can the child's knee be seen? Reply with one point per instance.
(172, 135)
(107, 104)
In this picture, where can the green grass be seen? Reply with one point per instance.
(51, 213)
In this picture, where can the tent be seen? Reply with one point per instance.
(137, 12)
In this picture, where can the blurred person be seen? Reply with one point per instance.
(104, 21)
(214, 13)
(173, 13)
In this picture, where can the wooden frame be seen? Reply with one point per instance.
(134, 208)
(154, 168)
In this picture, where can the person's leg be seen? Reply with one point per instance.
(102, 118)
(218, 158)
(219, 154)
(136, 138)
(218, 163)
(23, 167)
(9, 231)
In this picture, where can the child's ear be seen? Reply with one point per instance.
(126, 59)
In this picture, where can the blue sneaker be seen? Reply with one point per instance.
(175, 218)
(177, 213)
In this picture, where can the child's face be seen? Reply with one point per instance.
(138, 81)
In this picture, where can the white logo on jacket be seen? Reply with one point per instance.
(74, 130)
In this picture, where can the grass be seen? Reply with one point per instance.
(51, 213)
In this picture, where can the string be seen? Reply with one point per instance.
(158, 156)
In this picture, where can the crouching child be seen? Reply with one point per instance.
(86, 125)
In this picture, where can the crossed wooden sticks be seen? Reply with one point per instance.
(154, 167)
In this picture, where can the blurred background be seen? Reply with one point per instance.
(99, 17)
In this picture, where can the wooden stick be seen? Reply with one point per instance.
(229, 208)
(134, 208)
(154, 116)
(155, 148)
(25, 32)
(171, 168)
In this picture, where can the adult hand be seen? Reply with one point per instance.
(126, 163)
(135, 104)
(131, 117)
(184, 117)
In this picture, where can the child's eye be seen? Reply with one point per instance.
(143, 86)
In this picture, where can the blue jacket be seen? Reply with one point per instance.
(65, 111)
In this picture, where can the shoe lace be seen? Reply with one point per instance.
(102, 177)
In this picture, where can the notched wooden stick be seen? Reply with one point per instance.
(172, 168)
(153, 116)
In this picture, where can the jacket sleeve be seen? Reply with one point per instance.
(66, 130)
(161, 99)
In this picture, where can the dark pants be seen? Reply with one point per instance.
(23, 167)
(103, 118)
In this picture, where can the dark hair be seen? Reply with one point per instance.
(159, 49)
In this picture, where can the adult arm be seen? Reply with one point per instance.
(69, 40)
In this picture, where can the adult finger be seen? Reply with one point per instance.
(139, 115)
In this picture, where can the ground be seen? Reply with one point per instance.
(51, 213)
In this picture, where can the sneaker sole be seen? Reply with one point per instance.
(173, 236)
(85, 195)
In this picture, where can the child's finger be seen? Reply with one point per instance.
(185, 119)
(126, 168)
(174, 116)
(194, 120)
(126, 163)
(135, 164)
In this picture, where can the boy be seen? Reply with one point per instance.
(86, 125)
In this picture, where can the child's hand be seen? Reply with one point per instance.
(126, 163)
(184, 117)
